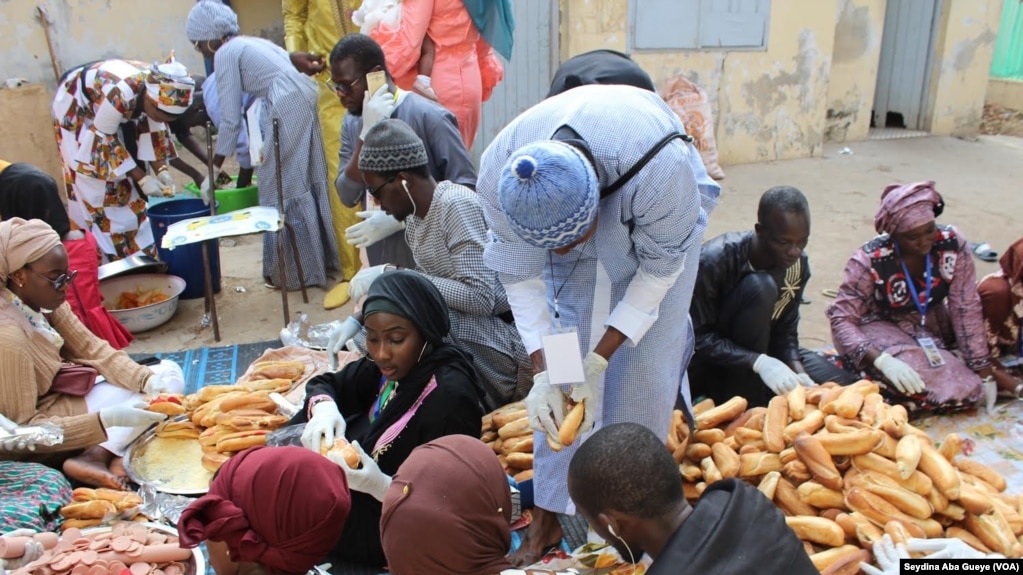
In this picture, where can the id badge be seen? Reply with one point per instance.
(931, 351)
(562, 356)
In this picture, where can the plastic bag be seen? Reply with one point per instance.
(374, 13)
(299, 332)
(691, 105)
(289, 435)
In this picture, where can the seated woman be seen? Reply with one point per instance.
(29, 193)
(1001, 296)
(40, 335)
(272, 510)
(33, 495)
(414, 386)
(446, 233)
(908, 330)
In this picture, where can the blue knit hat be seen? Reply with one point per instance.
(549, 193)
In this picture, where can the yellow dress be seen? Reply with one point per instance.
(315, 26)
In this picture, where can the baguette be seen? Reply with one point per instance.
(815, 494)
(917, 482)
(747, 436)
(121, 499)
(206, 394)
(211, 435)
(690, 492)
(993, 531)
(797, 403)
(515, 428)
(982, 471)
(177, 430)
(521, 444)
(817, 529)
(904, 500)
(79, 524)
(831, 513)
(941, 472)
(95, 509)
(697, 451)
(818, 461)
(848, 403)
(907, 455)
(796, 471)
(702, 406)
(868, 534)
(951, 446)
(787, 499)
(848, 564)
(167, 407)
(973, 500)
(853, 443)
(722, 413)
(871, 406)
(938, 501)
(879, 511)
(240, 420)
(211, 461)
(852, 522)
(205, 415)
(774, 423)
(280, 385)
(741, 421)
(520, 460)
(523, 476)
(897, 532)
(488, 436)
(709, 436)
(887, 446)
(968, 538)
(277, 369)
(711, 473)
(501, 419)
(254, 400)
(552, 443)
(756, 420)
(953, 511)
(241, 440)
(690, 473)
(769, 484)
(726, 459)
(809, 424)
(754, 464)
(680, 452)
(836, 424)
(342, 448)
(825, 559)
(788, 454)
(570, 425)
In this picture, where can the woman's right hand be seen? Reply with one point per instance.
(128, 416)
(326, 424)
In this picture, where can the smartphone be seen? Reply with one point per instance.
(374, 80)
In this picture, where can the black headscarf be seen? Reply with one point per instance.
(599, 67)
(29, 193)
(419, 301)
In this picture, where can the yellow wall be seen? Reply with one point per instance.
(1005, 93)
(854, 63)
(261, 18)
(962, 61)
(769, 105)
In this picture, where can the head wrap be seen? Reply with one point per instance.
(210, 20)
(599, 67)
(281, 507)
(549, 193)
(170, 87)
(906, 207)
(1011, 262)
(447, 511)
(30, 193)
(391, 146)
(415, 298)
(23, 242)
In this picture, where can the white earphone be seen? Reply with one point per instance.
(404, 184)
(611, 530)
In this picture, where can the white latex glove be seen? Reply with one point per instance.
(545, 405)
(325, 424)
(169, 189)
(155, 385)
(12, 444)
(340, 335)
(376, 107)
(887, 554)
(947, 549)
(128, 416)
(209, 186)
(594, 366)
(367, 479)
(376, 225)
(359, 285)
(151, 186)
(903, 377)
(424, 87)
(805, 380)
(33, 550)
(777, 376)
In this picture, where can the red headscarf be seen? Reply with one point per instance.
(282, 507)
(447, 511)
(906, 207)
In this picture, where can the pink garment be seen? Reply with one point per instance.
(465, 68)
(859, 322)
(906, 207)
(84, 297)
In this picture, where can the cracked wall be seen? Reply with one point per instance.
(856, 53)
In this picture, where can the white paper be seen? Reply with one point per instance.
(252, 118)
(254, 220)
(564, 361)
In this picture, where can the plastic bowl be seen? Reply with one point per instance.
(149, 316)
(231, 199)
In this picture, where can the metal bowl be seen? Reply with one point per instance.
(132, 265)
(147, 317)
(196, 566)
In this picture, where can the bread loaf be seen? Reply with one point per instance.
(774, 423)
(941, 472)
(501, 419)
(836, 555)
(812, 422)
(277, 369)
(818, 461)
(815, 494)
(520, 460)
(769, 484)
(980, 470)
(95, 509)
(754, 464)
(722, 413)
(848, 564)
(797, 403)
(817, 529)
(848, 403)
(787, 499)
(853, 443)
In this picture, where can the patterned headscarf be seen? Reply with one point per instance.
(447, 511)
(1011, 262)
(549, 193)
(281, 507)
(391, 146)
(904, 207)
(23, 242)
(170, 87)
(210, 20)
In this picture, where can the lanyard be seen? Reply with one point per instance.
(557, 289)
(387, 389)
(921, 307)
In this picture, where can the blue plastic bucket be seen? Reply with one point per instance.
(184, 261)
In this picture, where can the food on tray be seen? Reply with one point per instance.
(177, 429)
(346, 450)
(95, 509)
(122, 500)
(140, 297)
(292, 370)
(169, 404)
(241, 440)
(212, 460)
(175, 463)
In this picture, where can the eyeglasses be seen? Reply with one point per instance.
(61, 282)
(343, 88)
(375, 192)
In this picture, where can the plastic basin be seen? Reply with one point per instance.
(231, 199)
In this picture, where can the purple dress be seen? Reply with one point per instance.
(874, 308)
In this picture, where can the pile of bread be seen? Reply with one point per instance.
(90, 507)
(845, 468)
(506, 430)
(226, 419)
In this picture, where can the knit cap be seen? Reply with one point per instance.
(391, 146)
(549, 193)
(210, 20)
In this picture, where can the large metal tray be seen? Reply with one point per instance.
(137, 449)
(132, 265)
(198, 563)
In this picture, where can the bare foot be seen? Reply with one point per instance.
(117, 468)
(544, 531)
(93, 468)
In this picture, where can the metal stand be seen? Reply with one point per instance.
(211, 302)
(281, 264)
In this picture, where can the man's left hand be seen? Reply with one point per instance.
(594, 366)
(308, 63)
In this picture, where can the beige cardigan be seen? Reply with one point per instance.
(28, 363)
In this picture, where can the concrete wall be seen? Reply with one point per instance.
(854, 63)
(963, 48)
(1005, 93)
(769, 105)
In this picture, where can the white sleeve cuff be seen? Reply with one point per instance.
(528, 301)
(638, 310)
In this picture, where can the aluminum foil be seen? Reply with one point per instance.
(300, 332)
